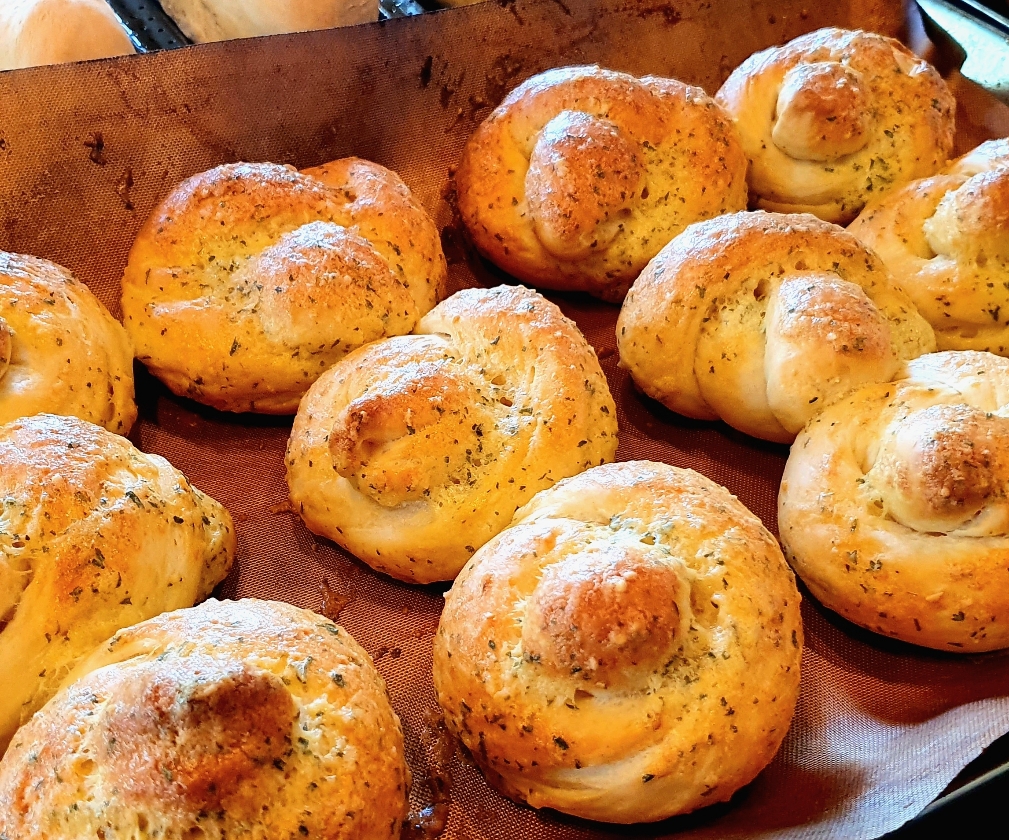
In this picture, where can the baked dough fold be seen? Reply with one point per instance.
(626, 650)
(232, 719)
(761, 318)
(251, 279)
(412, 452)
(893, 507)
(60, 349)
(834, 118)
(94, 536)
(582, 174)
(946, 240)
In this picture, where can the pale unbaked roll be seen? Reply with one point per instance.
(628, 649)
(833, 118)
(893, 507)
(250, 719)
(95, 536)
(412, 452)
(761, 318)
(221, 20)
(34, 32)
(251, 279)
(946, 240)
(60, 350)
(582, 174)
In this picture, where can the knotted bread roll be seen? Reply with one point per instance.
(833, 118)
(249, 719)
(94, 536)
(412, 452)
(251, 279)
(628, 649)
(893, 506)
(946, 240)
(762, 318)
(221, 20)
(60, 349)
(582, 174)
(34, 32)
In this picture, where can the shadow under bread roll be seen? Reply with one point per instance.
(94, 536)
(414, 451)
(626, 650)
(250, 719)
(894, 504)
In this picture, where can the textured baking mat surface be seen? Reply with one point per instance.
(85, 153)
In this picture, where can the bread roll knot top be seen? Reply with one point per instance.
(416, 430)
(823, 112)
(6, 346)
(943, 469)
(972, 223)
(824, 337)
(322, 285)
(608, 611)
(824, 311)
(584, 175)
(194, 737)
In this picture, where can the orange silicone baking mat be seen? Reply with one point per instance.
(85, 153)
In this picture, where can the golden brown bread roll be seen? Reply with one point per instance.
(578, 178)
(249, 719)
(628, 649)
(893, 505)
(94, 536)
(249, 280)
(221, 20)
(35, 32)
(835, 117)
(60, 349)
(412, 452)
(946, 240)
(761, 318)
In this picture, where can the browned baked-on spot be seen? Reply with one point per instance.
(603, 612)
(194, 738)
(333, 601)
(430, 819)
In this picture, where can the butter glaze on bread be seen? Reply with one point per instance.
(414, 451)
(250, 719)
(582, 174)
(762, 318)
(95, 536)
(834, 118)
(946, 240)
(60, 349)
(893, 507)
(626, 650)
(251, 279)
